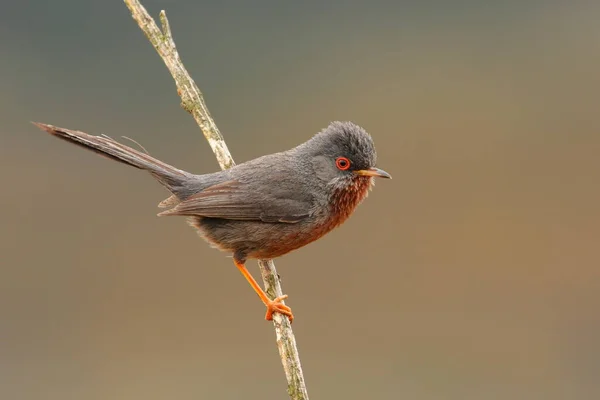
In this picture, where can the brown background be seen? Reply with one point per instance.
(474, 274)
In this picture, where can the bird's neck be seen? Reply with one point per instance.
(344, 200)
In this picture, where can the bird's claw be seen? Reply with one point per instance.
(276, 306)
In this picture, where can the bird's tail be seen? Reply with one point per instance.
(172, 178)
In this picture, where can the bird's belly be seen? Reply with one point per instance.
(290, 238)
(254, 239)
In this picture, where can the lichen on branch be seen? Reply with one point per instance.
(193, 102)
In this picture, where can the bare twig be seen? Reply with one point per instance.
(193, 102)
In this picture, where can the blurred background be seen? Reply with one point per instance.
(473, 274)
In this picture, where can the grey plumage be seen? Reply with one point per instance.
(265, 207)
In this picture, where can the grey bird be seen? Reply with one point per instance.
(265, 207)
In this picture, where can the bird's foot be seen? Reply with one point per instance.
(274, 306)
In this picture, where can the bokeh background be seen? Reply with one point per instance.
(473, 274)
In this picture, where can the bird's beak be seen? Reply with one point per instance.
(373, 172)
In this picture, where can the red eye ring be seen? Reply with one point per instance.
(342, 163)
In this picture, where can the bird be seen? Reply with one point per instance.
(268, 206)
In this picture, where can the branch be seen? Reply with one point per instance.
(193, 102)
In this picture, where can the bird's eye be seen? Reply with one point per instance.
(342, 163)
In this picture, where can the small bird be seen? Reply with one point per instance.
(265, 207)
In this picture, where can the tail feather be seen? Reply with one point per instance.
(169, 176)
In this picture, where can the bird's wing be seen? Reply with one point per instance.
(242, 201)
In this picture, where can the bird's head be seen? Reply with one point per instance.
(343, 156)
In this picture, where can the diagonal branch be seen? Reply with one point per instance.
(193, 102)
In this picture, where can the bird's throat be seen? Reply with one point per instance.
(344, 200)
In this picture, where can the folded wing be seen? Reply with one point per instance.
(239, 201)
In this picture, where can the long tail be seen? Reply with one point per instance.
(172, 178)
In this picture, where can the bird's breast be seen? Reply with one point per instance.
(343, 201)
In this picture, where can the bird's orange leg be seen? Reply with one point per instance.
(272, 305)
